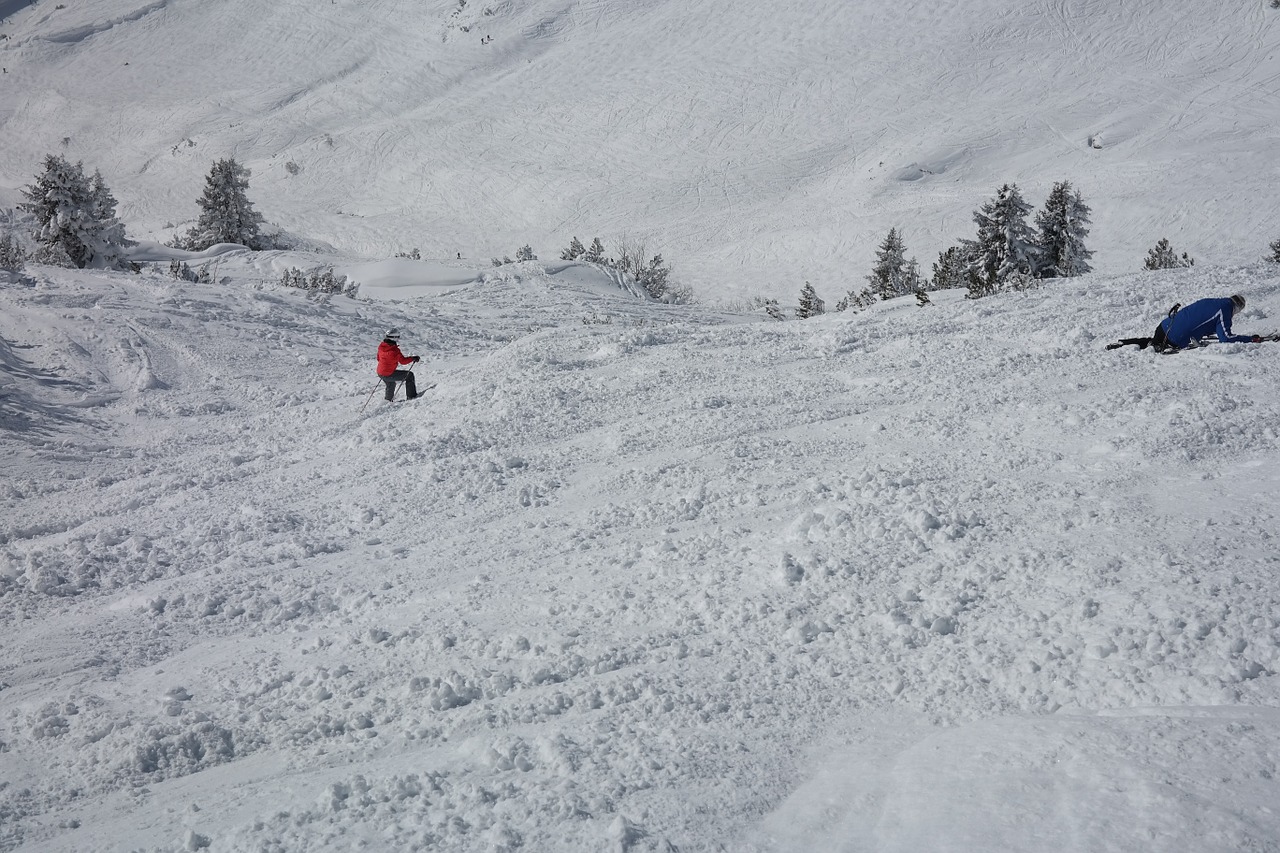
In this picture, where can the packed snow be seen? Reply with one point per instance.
(756, 148)
(633, 576)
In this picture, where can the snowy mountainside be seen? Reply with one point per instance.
(633, 576)
(733, 139)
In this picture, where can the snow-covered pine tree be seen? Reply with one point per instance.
(574, 251)
(888, 278)
(109, 240)
(226, 214)
(1005, 251)
(810, 305)
(953, 268)
(912, 281)
(12, 256)
(1062, 225)
(595, 255)
(525, 253)
(1275, 251)
(1161, 256)
(856, 300)
(75, 224)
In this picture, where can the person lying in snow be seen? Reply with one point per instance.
(389, 360)
(1198, 320)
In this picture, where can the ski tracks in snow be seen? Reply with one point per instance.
(606, 580)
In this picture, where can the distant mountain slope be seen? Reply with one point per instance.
(734, 139)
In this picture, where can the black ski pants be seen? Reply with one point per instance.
(406, 376)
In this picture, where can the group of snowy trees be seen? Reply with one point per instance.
(318, 281)
(650, 273)
(75, 217)
(75, 225)
(1163, 257)
(1009, 254)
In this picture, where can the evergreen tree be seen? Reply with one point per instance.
(1275, 251)
(1062, 232)
(595, 255)
(226, 214)
(810, 304)
(74, 217)
(912, 281)
(1005, 251)
(574, 251)
(109, 238)
(12, 256)
(856, 300)
(953, 268)
(525, 253)
(889, 277)
(1163, 257)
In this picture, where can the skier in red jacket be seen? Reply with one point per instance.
(389, 360)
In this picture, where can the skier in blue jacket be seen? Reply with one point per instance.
(1201, 319)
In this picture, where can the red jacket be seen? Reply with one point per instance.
(390, 358)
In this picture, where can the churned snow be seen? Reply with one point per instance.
(632, 576)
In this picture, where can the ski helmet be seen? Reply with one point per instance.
(393, 335)
(1238, 301)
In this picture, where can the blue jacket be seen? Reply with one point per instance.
(1201, 319)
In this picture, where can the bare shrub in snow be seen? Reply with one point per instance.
(182, 272)
(652, 276)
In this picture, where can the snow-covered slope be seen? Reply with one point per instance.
(755, 147)
(633, 577)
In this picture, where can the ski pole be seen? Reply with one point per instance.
(370, 397)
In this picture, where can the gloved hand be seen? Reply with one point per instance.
(417, 358)
(1257, 339)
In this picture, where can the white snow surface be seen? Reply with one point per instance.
(632, 576)
(754, 147)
